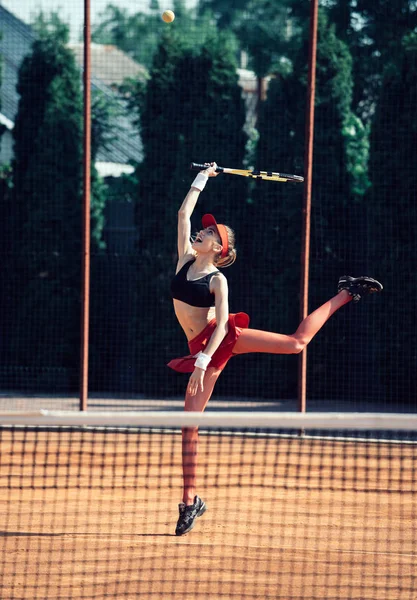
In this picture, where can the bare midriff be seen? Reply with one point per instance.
(193, 319)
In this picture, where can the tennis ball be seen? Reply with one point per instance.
(168, 16)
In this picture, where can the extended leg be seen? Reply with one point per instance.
(254, 340)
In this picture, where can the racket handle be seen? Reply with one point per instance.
(200, 167)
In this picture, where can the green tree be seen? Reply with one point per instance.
(393, 220)
(46, 209)
(339, 184)
(4, 225)
(372, 29)
(43, 257)
(139, 34)
(50, 27)
(386, 22)
(226, 13)
(265, 30)
(193, 110)
(2, 127)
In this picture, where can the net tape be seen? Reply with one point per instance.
(263, 420)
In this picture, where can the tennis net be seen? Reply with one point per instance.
(314, 506)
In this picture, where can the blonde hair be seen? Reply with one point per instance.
(230, 258)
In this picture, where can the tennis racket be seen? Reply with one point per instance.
(268, 175)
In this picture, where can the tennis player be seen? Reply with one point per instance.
(200, 295)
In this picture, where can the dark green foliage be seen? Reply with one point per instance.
(49, 26)
(46, 207)
(386, 21)
(265, 30)
(339, 183)
(373, 29)
(2, 127)
(275, 249)
(42, 248)
(193, 111)
(278, 208)
(139, 34)
(5, 222)
(393, 219)
(225, 12)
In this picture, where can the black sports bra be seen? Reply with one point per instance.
(195, 293)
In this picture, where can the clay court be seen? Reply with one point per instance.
(91, 514)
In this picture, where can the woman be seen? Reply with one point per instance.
(200, 294)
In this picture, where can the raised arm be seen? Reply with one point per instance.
(187, 207)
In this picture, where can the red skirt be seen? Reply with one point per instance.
(224, 352)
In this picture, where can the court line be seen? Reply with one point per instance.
(318, 550)
(129, 537)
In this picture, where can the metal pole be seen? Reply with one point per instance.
(85, 308)
(308, 168)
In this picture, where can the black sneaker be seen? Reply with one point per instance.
(188, 515)
(358, 286)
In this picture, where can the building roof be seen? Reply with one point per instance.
(17, 39)
(109, 64)
(15, 43)
(125, 144)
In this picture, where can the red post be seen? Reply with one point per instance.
(308, 169)
(85, 308)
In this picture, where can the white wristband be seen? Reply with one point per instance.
(202, 361)
(200, 182)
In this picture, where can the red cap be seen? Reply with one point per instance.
(208, 220)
